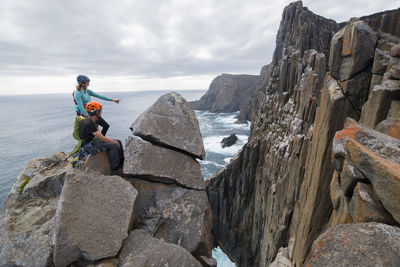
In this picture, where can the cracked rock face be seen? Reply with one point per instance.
(171, 122)
(175, 215)
(150, 162)
(93, 217)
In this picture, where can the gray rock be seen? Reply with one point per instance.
(26, 231)
(142, 159)
(395, 72)
(99, 163)
(361, 244)
(377, 107)
(93, 217)
(143, 250)
(395, 51)
(171, 122)
(352, 49)
(48, 181)
(229, 141)
(176, 215)
(381, 61)
(366, 207)
(394, 110)
(27, 220)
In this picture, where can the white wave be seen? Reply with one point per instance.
(221, 258)
(205, 162)
(227, 160)
(229, 122)
(213, 144)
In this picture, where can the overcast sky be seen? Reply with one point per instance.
(144, 44)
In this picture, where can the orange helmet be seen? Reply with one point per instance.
(92, 107)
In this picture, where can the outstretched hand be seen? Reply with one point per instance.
(116, 101)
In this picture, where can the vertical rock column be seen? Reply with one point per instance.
(343, 95)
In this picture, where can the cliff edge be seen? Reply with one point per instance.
(291, 183)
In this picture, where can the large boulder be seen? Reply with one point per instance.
(143, 250)
(366, 207)
(99, 163)
(384, 174)
(352, 50)
(27, 220)
(371, 155)
(377, 107)
(142, 159)
(229, 141)
(93, 217)
(170, 121)
(47, 180)
(174, 214)
(26, 233)
(361, 244)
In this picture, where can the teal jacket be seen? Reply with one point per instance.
(83, 97)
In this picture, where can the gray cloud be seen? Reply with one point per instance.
(148, 38)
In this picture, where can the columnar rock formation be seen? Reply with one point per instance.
(284, 184)
(156, 213)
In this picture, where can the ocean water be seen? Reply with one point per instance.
(37, 126)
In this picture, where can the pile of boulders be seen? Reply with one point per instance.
(155, 214)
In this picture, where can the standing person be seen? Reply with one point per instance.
(82, 97)
(88, 130)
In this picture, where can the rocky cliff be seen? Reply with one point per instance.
(292, 181)
(228, 93)
(156, 213)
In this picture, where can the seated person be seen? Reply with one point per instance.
(88, 130)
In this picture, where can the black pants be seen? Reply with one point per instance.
(104, 125)
(115, 153)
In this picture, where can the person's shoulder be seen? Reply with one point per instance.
(77, 92)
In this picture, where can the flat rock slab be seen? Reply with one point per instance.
(174, 214)
(93, 216)
(161, 165)
(383, 145)
(171, 121)
(361, 244)
(143, 250)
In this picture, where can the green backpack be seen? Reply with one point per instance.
(75, 134)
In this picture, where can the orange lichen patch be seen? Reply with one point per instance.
(349, 131)
(394, 131)
(383, 164)
(348, 40)
(318, 249)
